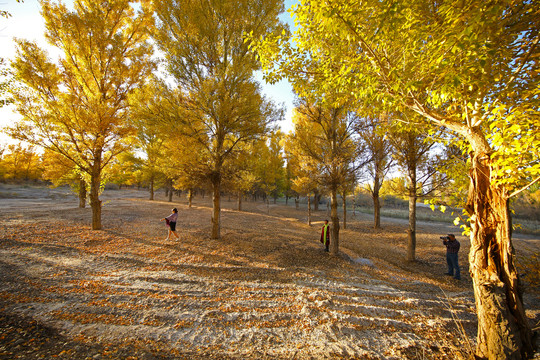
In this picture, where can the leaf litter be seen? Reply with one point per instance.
(265, 290)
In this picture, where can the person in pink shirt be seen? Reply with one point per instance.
(171, 222)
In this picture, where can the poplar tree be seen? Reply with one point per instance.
(303, 172)
(378, 159)
(412, 147)
(243, 179)
(269, 165)
(77, 106)
(323, 139)
(151, 134)
(205, 51)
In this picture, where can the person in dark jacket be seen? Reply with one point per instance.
(452, 249)
(325, 235)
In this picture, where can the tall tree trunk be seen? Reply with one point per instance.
(377, 183)
(216, 205)
(334, 241)
(376, 211)
(411, 231)
(344, 210)
(152, 187)
(316, 200)
(171, 189)
(296, 202)
(190, 198)
(328, 207)
(286, 200)
(82, 193)
(239, 201)
(95, 202)
(503, 328)
(309, 210)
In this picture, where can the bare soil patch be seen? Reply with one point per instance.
(266, 290)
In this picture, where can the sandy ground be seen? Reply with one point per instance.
(266, 290)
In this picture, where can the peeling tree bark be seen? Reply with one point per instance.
(503, 328)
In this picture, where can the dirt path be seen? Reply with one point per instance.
(265, 290)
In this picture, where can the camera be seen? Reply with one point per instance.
(444, 238)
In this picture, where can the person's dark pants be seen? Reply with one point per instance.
(453, 266)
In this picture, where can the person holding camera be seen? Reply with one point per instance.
(452, 249)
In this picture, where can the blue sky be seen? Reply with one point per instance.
(26, 22)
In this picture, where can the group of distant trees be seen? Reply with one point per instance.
(20, 163)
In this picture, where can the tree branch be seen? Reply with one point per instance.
(524, 188)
